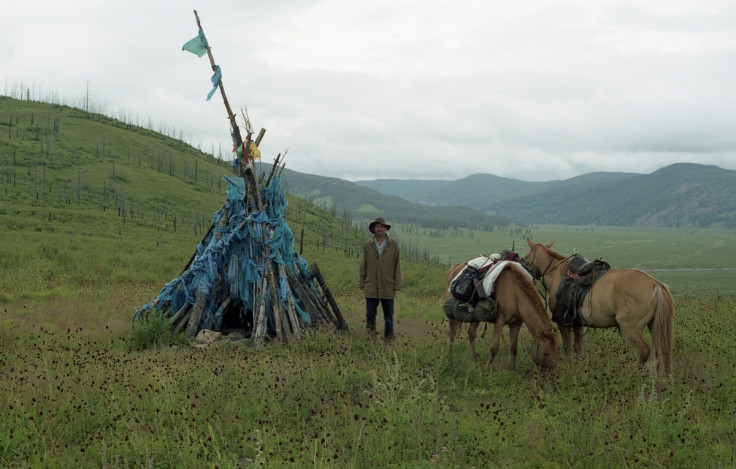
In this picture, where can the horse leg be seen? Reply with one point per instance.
(472, 333)
(514, 343)
(565, 332)
(637, 339)
(578, 330)
(451, 332)
(631, 325)
(497, 332)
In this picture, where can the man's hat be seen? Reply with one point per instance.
(375, 222)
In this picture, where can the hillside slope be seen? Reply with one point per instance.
(338, 195)
(63, 170)
(484, 192)
(682, 194)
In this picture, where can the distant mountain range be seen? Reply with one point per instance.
(683, 194)
(345, 198)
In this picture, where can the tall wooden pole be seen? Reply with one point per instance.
(234, 129)
(246, 170)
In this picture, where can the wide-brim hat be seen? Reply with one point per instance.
(375, 222)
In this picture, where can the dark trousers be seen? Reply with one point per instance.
(371, 308)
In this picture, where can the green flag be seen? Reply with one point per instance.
(197, 45)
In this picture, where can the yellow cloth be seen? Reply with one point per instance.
(255, 153)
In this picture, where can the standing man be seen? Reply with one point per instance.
(380, 276)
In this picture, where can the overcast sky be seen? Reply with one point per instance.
(532, 90)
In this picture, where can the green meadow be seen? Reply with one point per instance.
(689, 260)
(78, 390)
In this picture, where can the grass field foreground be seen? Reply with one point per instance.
(75, 394)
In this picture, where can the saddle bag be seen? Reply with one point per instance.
(485, 311)
(509, 255)
(463, 286)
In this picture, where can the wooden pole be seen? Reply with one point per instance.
(341, 324)
(246, 169)
(259, 314)
(275, 307)
(221, 310)
(301, 293)
(295, 320)
(234, 130)
(260, 137)
(183, 321)
(182, 311)
(196, 315)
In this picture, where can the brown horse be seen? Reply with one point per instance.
(625, 298)
(518, 302)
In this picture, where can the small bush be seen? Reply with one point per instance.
(153, 331)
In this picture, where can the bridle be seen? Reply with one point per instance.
(547, 269)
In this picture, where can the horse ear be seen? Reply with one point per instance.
(529, 242)
(550, 244)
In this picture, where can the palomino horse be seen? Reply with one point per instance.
(518, 302)
(625, 298)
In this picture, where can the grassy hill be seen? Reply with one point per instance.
(92, 201)
(64, 160)
(679, 195)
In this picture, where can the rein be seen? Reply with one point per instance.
(546, 271)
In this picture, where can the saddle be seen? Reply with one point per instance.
(582, 267)
(579, 279)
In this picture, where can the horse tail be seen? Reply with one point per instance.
(663, 325)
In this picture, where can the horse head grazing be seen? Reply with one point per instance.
(545, 351)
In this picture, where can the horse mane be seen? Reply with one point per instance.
(546, 333)
(528, 288)
(552, 252)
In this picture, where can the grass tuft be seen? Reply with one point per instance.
(152, 332)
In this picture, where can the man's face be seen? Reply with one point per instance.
(379, 229)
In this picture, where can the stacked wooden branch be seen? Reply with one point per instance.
(284, 296)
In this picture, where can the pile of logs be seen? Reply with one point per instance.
(273, 292)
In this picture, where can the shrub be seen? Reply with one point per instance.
(153, 331)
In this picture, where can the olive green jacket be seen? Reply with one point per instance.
(381, 278)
